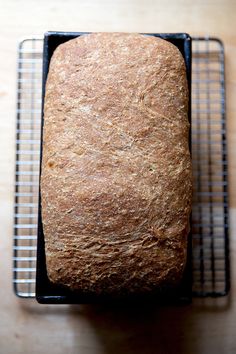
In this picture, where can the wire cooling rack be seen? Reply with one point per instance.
(210, 251)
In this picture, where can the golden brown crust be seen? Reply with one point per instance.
(116, 173)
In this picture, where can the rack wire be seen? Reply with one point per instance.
(210, 251)
(210, 222)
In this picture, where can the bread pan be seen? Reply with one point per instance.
(48, 293)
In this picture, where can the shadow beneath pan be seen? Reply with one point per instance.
(134, 329)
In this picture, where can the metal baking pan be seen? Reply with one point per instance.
(48, 293)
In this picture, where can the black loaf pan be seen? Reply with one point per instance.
(48, 293)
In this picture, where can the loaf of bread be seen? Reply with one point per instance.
(116, 181)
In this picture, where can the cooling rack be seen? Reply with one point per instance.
(210, 241)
